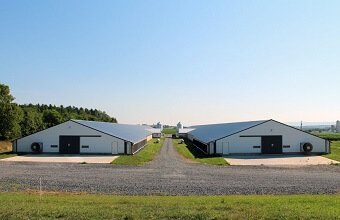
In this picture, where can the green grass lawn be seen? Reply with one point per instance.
(7, 155)
(21, 205)
(169, 131)
(189, 151)
(147, 154)
(335, 151)
(328, 135)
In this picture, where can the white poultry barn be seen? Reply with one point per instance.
(255, 137)
(85, 137)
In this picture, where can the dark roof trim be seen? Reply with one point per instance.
(100, 131)
(273, 121)
(77, 123)
(202, 142)
(244, 129)
(297, 129)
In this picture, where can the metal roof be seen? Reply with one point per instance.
(153, 130)
(185, 130)
(213, 132)
(132, 133)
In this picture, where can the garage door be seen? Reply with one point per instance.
(271, 144)
(69, 144)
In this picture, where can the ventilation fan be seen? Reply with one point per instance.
(306, 147)
(37, 147)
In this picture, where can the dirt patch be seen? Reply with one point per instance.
(5, 146)
(279, 160)
(47, 158)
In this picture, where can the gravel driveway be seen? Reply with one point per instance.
(169, 174)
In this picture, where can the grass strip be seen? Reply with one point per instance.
(335, 151)
(23, 205)
(145, 155)
(189, 151)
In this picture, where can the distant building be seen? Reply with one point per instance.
(159, 125)
(333, 128)
(337, 126)
(156, 132)
(179, 126)
(183, 132)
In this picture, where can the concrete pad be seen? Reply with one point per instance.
(278, 160)
(45, 158)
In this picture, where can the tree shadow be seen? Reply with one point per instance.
(6, 154)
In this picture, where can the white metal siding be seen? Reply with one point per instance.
(101, 144)
(51, 137)
(235, 144)
(148, 137)
(211, 148)
(290, 136)
(156, 135)
(128, 148)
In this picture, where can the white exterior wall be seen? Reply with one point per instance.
(51, 135)
(156, 135)
(211, 148)
(148, 137)
(101, 145)
(290, 136)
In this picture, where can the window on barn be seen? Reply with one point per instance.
(138, 145)
(200, 145)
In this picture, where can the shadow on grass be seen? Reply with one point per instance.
(7, 154)
(197, 152)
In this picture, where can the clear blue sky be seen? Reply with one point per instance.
(190, 61)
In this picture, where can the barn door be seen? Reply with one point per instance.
(271, 144)
(225, 147)
(69, 144)
(114, 147)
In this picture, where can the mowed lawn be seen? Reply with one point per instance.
(335, 151)
(335, 144)
(328, 135)
(169, 130)
(22, 205)
(189, 151)
(6, 149)
(145, 155)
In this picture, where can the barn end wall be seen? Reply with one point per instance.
(50, 136)
(148, 138)
(156, 135)
(290, 137)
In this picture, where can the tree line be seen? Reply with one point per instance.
(21, 120)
